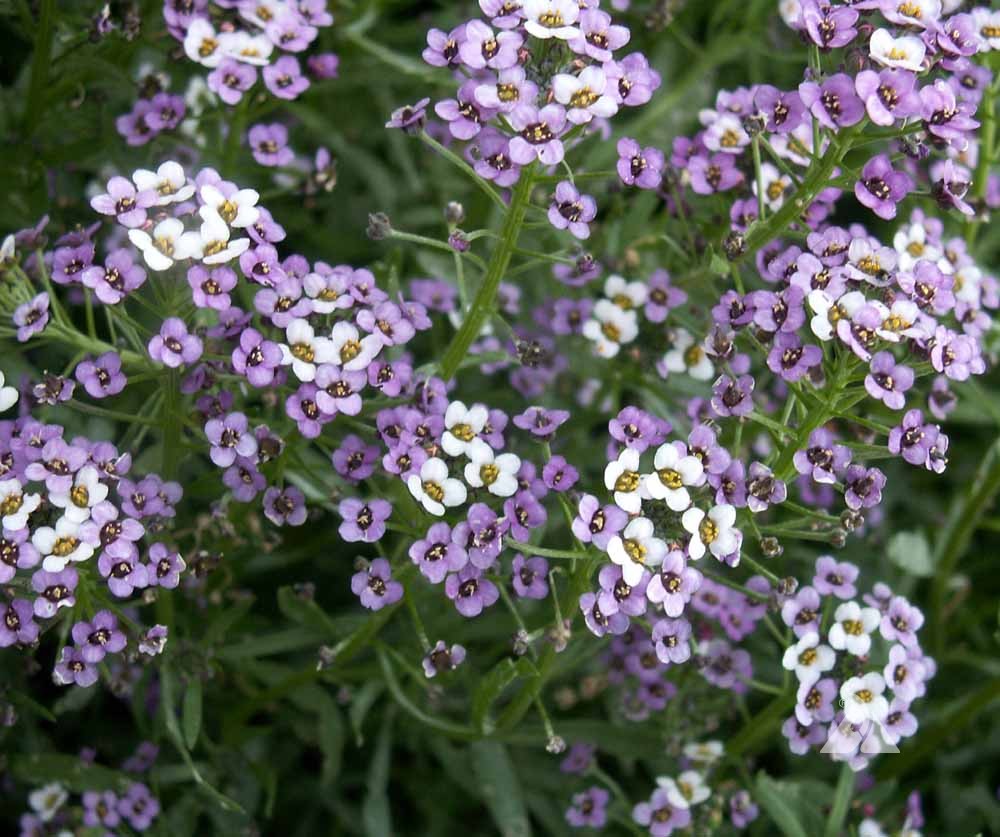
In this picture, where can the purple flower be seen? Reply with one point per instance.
(863, 487)
(16, 553)
(784, 110)
(164, 567)
(598, 622)
(119, 564)
(801, 612)
(888, 381)
(375, 586)
(443, 47)
(537, 135)
(631, 81)
(541, 422)
(881, 187)
(598, 524)
(471, 591)
(571, 210)
(410, 118)
(210, 287)
(661, 296)
(231, 79)
(790, 359)
(913, 439)
(230, 437)
(338, 390)
(763, 488)
(100, 808)
(269, 144)
(174, 346)
(17, 623)
(72, 669)
(98, 637)
(714, 173)
(354, 460)
(388, 323)
(944, 117)
(119, 276)
(672, 639)
(742, 809)
(482, 48)
(102, 376)
(244, 480)
(733, 398)
(888, 95)
(637, 166)
(530, 577)
(617, 595)
(822, 459)
(829, 27)
(635, 428)
(441, 658)
(598, 37)
(834, 103)
(139, 806)
(284, 77)
(125, 202)
(815, 700)
(363, 521)
(660, 816)
(481, 534)
(164, 112)
(589, 808)
(256, 358)
(31, 317)
(956, 355)
(285, 506)
(674, 584)
(835, 578)
(801, 737)
(436, 554)
(559, 475)
(302, 407)
(464, 116)
(900, 622)
(951, 185)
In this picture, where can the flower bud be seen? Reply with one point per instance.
(556, 745)
(454, 213)
(379, 226)
(754, 125)
(838, 537)
(735, 246)
(851, 519)
(788, 585)
(771, 546)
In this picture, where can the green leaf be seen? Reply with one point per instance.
(331, 742)
(779, 804)
(375, 813)
(75, 775)
(489, 689)
(500, 788)
(191, 713)
(911, 552)
(305, 612)
(841, 801)
(363, 700)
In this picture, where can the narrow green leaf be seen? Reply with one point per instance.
(75, 775)
(496, 680)
(331, 742)
(191, 713)
(776, 801)
(500, 788)
(363, 700)
(375, 814)
(841, 801)
(305, 612)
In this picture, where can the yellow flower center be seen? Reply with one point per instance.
(627, 481)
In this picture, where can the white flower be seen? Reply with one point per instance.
(462, 428)
(351, 350)
(852, 627)
(167, 244)
(673, 472)
(60, 545)
(434, 489)
(8, 249)
(584, 95)
(636, 549)
(216, 246)
(706, 752)
(904, 53)
(497, 473)
(551, 18)
(870, 828)
(242, 46)
(47, 800)
(808, 659)
(918, 13)
(796, 145)
(305, 350)
(87, 491)
(168, 181)
(610, 327)
(863, 699)
(622, 477)
(776, 186)
(713, 531)
(912, 245)
(688, 356)
(686, 790)
(626, 295)
(201, 43)
(725, 133)
(15, 505)
(828, 311)
(8, 395)
(987, 25)
(899, 322)
(791, 12)
(238, 210)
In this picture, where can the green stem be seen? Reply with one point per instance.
(531, 549)
(40, 64)
(482, 305)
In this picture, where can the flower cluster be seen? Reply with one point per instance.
(837, 664)
(233, 40)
